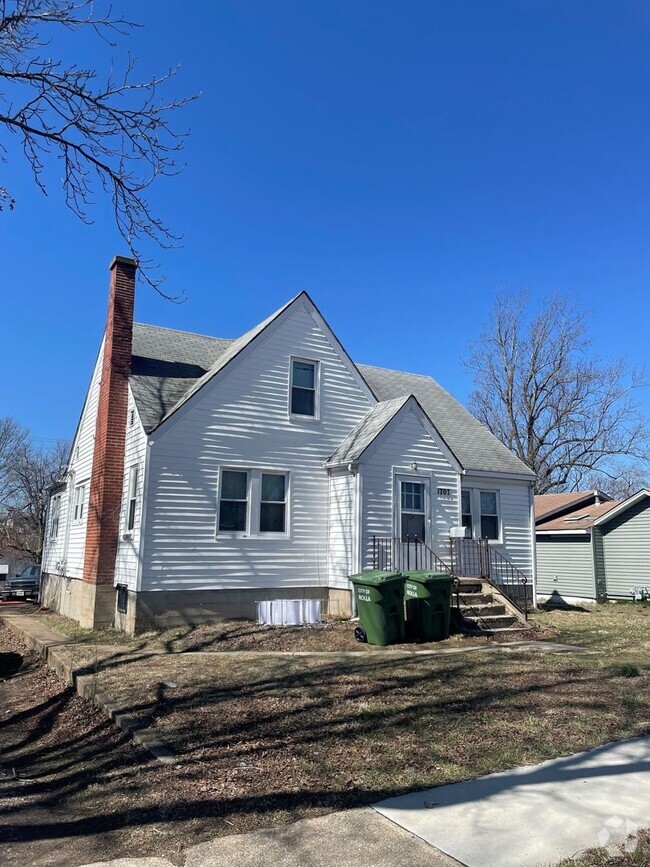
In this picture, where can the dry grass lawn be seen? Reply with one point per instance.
(266, 739)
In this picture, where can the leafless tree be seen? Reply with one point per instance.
(562, 410)
(112, 133)
(620, 480)
(25, 474)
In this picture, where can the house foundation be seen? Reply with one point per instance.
(163, 609)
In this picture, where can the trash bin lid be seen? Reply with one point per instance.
(424, 576)
(375, 577)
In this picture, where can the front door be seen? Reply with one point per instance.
(412, 509)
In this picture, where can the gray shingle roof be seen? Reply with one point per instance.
(170, 365)
(360, 437)
(472, 443)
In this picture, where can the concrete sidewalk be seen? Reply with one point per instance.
(527, 817)
(535, 815)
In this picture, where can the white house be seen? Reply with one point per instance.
(207, 474)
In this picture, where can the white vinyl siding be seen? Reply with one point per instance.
(135, 447)
(342, 546)
(626, 550)
(65, 554)
(514, 512)
(407, 441)
(240, 419)
(565, 566)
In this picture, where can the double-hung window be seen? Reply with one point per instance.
(253, 502)
(132, 497)
(273, 503)
(489, 515)
(233, 504)
(55, 511)
(466, 510)
(79, 502)
(303, 398)
(480, 513)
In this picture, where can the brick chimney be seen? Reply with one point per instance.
(108, 456)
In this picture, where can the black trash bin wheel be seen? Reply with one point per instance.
(360, 635)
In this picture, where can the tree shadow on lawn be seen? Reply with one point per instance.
(393, 702)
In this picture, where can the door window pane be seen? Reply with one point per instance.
(413, 496)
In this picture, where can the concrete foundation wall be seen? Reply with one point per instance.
(92, 606)
(161, 609)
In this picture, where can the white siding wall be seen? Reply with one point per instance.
(135, 447)
(343, 521)
(70, 545)
(406, 440)
(565, 566)
(514, 498)
(240, 419)
(53, 549)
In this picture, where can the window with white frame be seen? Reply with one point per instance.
(132, 498)
(480, 513)
(273, 503)
(466, 510)
(253, 502)
(55, 511)
(233, 502)
(489, 514)
(303, 398)
(79, 502)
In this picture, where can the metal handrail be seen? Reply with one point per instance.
(396, 555)
(477, 558)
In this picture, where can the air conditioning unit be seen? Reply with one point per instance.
(459, 532)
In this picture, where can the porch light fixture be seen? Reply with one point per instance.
(414, 466)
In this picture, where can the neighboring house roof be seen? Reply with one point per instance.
(551, 504)
(623, 506)
(370, 426)
(581, 518)
(169, 366)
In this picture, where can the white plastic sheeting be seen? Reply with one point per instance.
(289, 612)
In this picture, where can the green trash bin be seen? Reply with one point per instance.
(428, 605)
(380, 606)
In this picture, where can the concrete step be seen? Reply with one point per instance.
(491, 623)
(470, 585)
(475, 598)
(493, 609)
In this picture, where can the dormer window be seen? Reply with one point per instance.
(303, 400)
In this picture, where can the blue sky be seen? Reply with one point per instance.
(400, 161)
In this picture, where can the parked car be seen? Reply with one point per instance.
(27, 584)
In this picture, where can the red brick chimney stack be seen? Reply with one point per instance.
(108, 456)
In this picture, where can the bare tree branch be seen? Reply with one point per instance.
(565, 413)
(115, 135)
